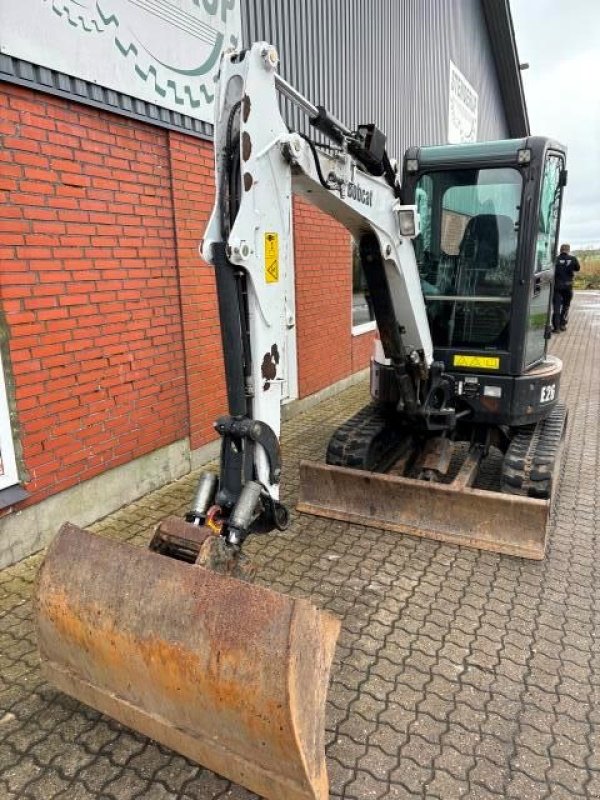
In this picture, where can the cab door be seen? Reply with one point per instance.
(542, 278)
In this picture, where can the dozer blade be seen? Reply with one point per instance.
(473, 517)
(231, 675)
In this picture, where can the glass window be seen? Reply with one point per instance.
(8, 463)
(537, 319)
(545, 255)
(549, 210)
(467, 254)
(362, 308)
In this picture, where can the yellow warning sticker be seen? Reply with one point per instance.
(271, 257)
(477, 362)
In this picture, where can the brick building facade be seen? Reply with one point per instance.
(111, 370)
(111, 342)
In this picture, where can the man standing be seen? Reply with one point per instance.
(565, 268)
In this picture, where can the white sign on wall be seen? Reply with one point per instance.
(462, 108)
(162, 51)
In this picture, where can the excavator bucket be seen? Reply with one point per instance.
(453, 513)
(232, 675)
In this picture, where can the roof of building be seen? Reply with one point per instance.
(499, 21)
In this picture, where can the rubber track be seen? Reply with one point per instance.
(530, 460)
(351, 444)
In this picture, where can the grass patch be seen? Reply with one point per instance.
(589, 277)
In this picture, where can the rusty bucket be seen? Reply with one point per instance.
(231, 675)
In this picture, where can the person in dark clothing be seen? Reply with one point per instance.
(565, 268)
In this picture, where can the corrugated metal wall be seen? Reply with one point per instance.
(382, 61)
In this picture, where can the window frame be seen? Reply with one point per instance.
(358, 329)
(364, 327)
(557, 203)
(10, 473)
(437, 194)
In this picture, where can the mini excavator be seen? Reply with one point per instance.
(175, 640)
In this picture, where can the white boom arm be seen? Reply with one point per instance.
(259, 164)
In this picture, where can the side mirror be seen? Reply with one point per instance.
(562, 181)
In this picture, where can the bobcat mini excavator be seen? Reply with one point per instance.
(175, 641)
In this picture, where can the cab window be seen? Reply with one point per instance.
(467, 254)
(548, 217)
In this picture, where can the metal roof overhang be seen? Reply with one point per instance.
(500, 27)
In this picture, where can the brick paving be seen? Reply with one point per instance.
(458, 673)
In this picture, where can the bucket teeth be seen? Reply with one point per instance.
(178, 539)
(197, 544)
(215, 554)
(232, 675)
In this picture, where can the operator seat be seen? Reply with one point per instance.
(478, 252)
(481, 273)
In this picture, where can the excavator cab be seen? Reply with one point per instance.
(489, 226)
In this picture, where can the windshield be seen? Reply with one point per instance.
(467, 254)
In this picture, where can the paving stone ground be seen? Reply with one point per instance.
(458, 673)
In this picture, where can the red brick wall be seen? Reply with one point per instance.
(327, 352)
(89, 287)
(192, 168)
(323, 298)
(362, 348)
(110, 312)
